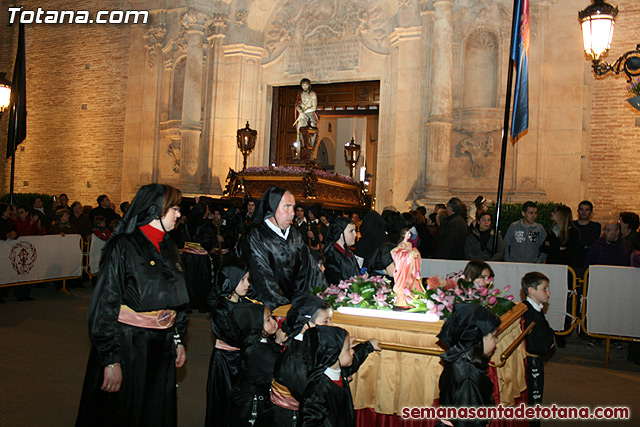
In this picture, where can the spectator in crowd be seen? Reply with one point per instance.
(426, 244)
(475, 207)
(422, 210)
(453, 231)
(104, 209)
(62, 225)
(525, 237)
(37, 208)
(124, 206)
(80, 220)
(589, 232)
(439, 207)
(8, 229)
(479, 243)
(562, 238)
(629, 223)
(28, 224)
(63, 202)
(100, 229)
(609, 249)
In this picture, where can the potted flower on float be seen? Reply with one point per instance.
(374, 292)
(634, 89)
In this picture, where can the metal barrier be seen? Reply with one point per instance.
(582, 321)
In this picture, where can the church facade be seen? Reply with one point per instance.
(112, 107)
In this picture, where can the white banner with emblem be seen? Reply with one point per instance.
(510, 273)
(35, 258)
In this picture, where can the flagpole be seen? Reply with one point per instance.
(505, 130)
(17, 109)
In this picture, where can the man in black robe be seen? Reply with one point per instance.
(280, 262)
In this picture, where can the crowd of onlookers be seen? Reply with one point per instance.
(451, 231)
(34, 220)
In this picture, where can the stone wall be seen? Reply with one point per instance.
(76, 82)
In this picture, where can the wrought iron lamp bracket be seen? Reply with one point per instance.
(628, 63)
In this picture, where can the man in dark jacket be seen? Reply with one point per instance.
(453, 232)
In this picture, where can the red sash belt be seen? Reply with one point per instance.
(159, 319)
(281, 396)
(221, 345)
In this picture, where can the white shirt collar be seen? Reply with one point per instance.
(535, 305)
(299, 337)
(333, 374)
(284, 234)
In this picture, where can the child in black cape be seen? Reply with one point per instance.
(470, 334)
(250, 404)
(290, 373)
(230, 292)
(327, 397)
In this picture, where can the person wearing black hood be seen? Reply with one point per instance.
(228, 294)
(291, 368)
(259, 349)
(199, 240)
(327, 398)
(137, 319)
(470, 335)
(372, 232)
(280, 262)
(341, 263)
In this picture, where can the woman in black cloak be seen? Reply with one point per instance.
(470, 334)
(230, 293)
(373, 235)
(340, 262)
(137, 319)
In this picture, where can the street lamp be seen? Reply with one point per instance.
(351, 155)
(5, 93)
(246, 139)
(598, 21)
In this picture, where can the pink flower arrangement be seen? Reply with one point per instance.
(441, 295)
(360, 291)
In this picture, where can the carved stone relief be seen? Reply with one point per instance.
(322, 27)
(475, 148)
(154, 39)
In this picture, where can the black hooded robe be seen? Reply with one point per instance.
(224, 364)
(280, 269)
(462, 382)
(134, 273)
(340, 262)
(326, 403)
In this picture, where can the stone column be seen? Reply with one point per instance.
(216, 29)
(194, 24)
(440, 123)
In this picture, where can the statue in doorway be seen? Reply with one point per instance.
(306, 121)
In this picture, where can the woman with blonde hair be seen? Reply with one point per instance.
(562, 238)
